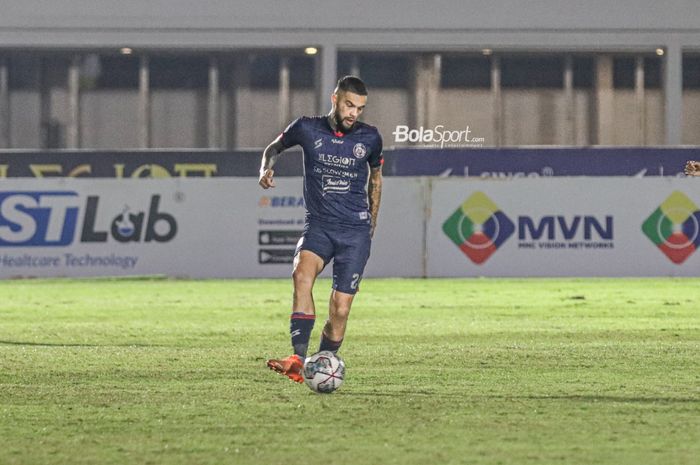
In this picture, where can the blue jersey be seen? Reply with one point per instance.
(335, 168)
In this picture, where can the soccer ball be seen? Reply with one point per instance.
(324, 372)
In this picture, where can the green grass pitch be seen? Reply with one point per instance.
(472, 371)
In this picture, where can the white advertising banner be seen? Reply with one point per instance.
(564, 227)
(185, 227)
(230, 227)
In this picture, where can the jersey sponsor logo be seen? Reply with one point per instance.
(337, 141)
(336, 160)
(335, 185)
(318, 143)
(359, 150)
(335, 172)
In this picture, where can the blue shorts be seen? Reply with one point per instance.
(347, 246)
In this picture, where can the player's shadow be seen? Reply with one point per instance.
(61, 344)
(399, 393)
(570, 398)
(608, 398)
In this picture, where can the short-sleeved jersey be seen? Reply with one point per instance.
(336, 166)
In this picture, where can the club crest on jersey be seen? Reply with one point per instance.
(359, 150)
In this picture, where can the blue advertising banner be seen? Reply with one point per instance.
(538, 162)
(140, 163)
(488, 163)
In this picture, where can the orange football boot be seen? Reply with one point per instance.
(290, 367)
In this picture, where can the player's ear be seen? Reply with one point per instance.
(334, 98)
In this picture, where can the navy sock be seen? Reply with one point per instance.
(328, 344)
(300, 327)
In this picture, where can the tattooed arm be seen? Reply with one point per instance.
(270, 156)
(374, 193)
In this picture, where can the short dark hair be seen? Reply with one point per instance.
(351, 84)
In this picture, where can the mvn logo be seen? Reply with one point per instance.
(673, 227)
(51, 219)
(549, 225)
(478, 227)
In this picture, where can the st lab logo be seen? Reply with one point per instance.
(51, 218)
(479, 228)
(674, 227)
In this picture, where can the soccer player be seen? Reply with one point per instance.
(340, 154)
(692, 168)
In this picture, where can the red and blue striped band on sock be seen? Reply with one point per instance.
(302, 316)
(300, 327)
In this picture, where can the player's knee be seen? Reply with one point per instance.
(302, 278)
(341, 313)
(341, 308)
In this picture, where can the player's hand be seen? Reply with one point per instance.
(266, 180)
(692, 168)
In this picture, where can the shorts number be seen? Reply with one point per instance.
(355, 281)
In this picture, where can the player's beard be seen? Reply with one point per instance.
(339, 123)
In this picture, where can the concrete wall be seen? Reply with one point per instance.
(691, 117)
(531, 117)
(639, 26)
(108, 119)
(627, 24)
(498, 15)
